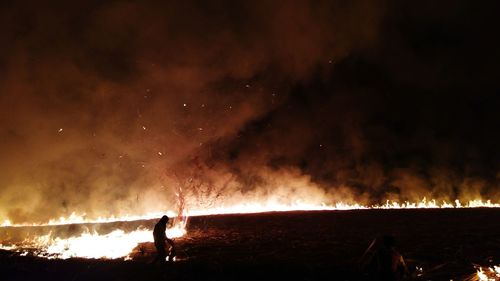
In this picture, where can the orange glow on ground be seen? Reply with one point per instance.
(119, 244)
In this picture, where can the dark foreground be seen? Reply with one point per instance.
(294, 246)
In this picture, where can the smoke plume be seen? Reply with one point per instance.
(107, 108)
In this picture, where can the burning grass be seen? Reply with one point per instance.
(441, 242)
(119, 243)
(437, 245)
(486, 273)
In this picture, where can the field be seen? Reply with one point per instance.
(445, 243)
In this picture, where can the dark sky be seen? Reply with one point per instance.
(107, 107)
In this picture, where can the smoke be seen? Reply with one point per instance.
(107, 107)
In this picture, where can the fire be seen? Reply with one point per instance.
(119, 244)
(116, 244)
(76, 219)
(268, 206)
(91, 245)
(488, 273)
(259, 207)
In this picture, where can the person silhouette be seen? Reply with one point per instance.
(160, 237)
(383, 262)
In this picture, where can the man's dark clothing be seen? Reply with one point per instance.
(160, 237)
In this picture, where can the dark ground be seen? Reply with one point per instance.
(293, 246)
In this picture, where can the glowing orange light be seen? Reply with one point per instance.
(488, 273)
(118, 243)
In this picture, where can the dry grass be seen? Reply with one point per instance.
(295, 246)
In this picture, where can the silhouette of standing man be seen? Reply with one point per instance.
(160, 238)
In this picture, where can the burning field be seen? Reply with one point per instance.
(280, 137)
(437, 244)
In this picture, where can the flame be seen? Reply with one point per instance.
(119, 244)
(116, 244)
(488, 273)
(75, 218)
(267, 206)
(272, 206)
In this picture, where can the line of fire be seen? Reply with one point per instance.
(249, 140)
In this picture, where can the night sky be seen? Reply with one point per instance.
(107, 107)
